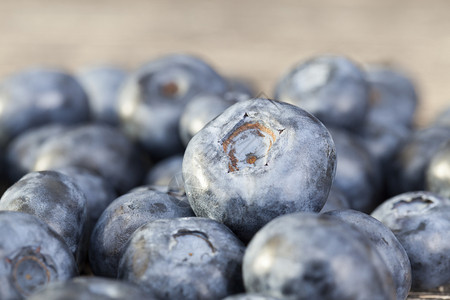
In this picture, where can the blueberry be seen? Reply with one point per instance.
(332, 88)
(121, 218)
(383, 140)
(443, 119)
(390, 118)
(54, 199)
(39, 96)
(357, 174)
(387, 245)
(31, 255)
(100, 148)
(437, 173)
(312, 256)
(164, 171)
(249, 297)
(241, 86)
(151, 187)
(336, 200)
(420, 221)
(90, 288)
(184, 258)
(103, 83)
(202, 109)
(22, 150)
(393, 96)
(153, 98)
(99, 193)
(410, 162)
(259, 159)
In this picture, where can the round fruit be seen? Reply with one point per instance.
(259, 159)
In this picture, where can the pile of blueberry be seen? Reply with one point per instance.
(174, 182)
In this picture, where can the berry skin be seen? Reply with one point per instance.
(393, 96)
(22, 151)
(312, 256)
(336, 200)
(55, 199)
(184, 258)
(437, 173)
(99, 148)
(35, 97)
(420, 221)
(410, 162)
(121, 218)
(165, 171)
(32, 255)
(358, 176)
(90, 288)
(153, 98)
(387, 245)
(202, 109)
(257, 160)
(332, 88)
(250, 297)
(99, 193)
(103, 83)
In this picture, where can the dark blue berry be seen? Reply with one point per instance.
(257, 160)
(121, 218)
(184, 258)
(32, 255)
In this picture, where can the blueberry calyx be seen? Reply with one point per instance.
(414, 204)
(248, 144)
(195, 233)
(169, 89)
(31, 270)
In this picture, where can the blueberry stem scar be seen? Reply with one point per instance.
(199, 234)
(238, 134)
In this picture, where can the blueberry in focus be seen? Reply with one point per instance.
(332, 88)
(35, 97)
(55, 199)
(103, 83)
(153, 98)
(420, 221)
(121, 218)
(99, 148)
(257, 160)
(31, 255)
(313, 256)
(184, 258)
(90, 288)
(387, 245)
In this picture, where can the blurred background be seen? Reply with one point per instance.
(258, 40)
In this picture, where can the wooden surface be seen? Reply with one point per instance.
(259, 40)
(428, 296)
